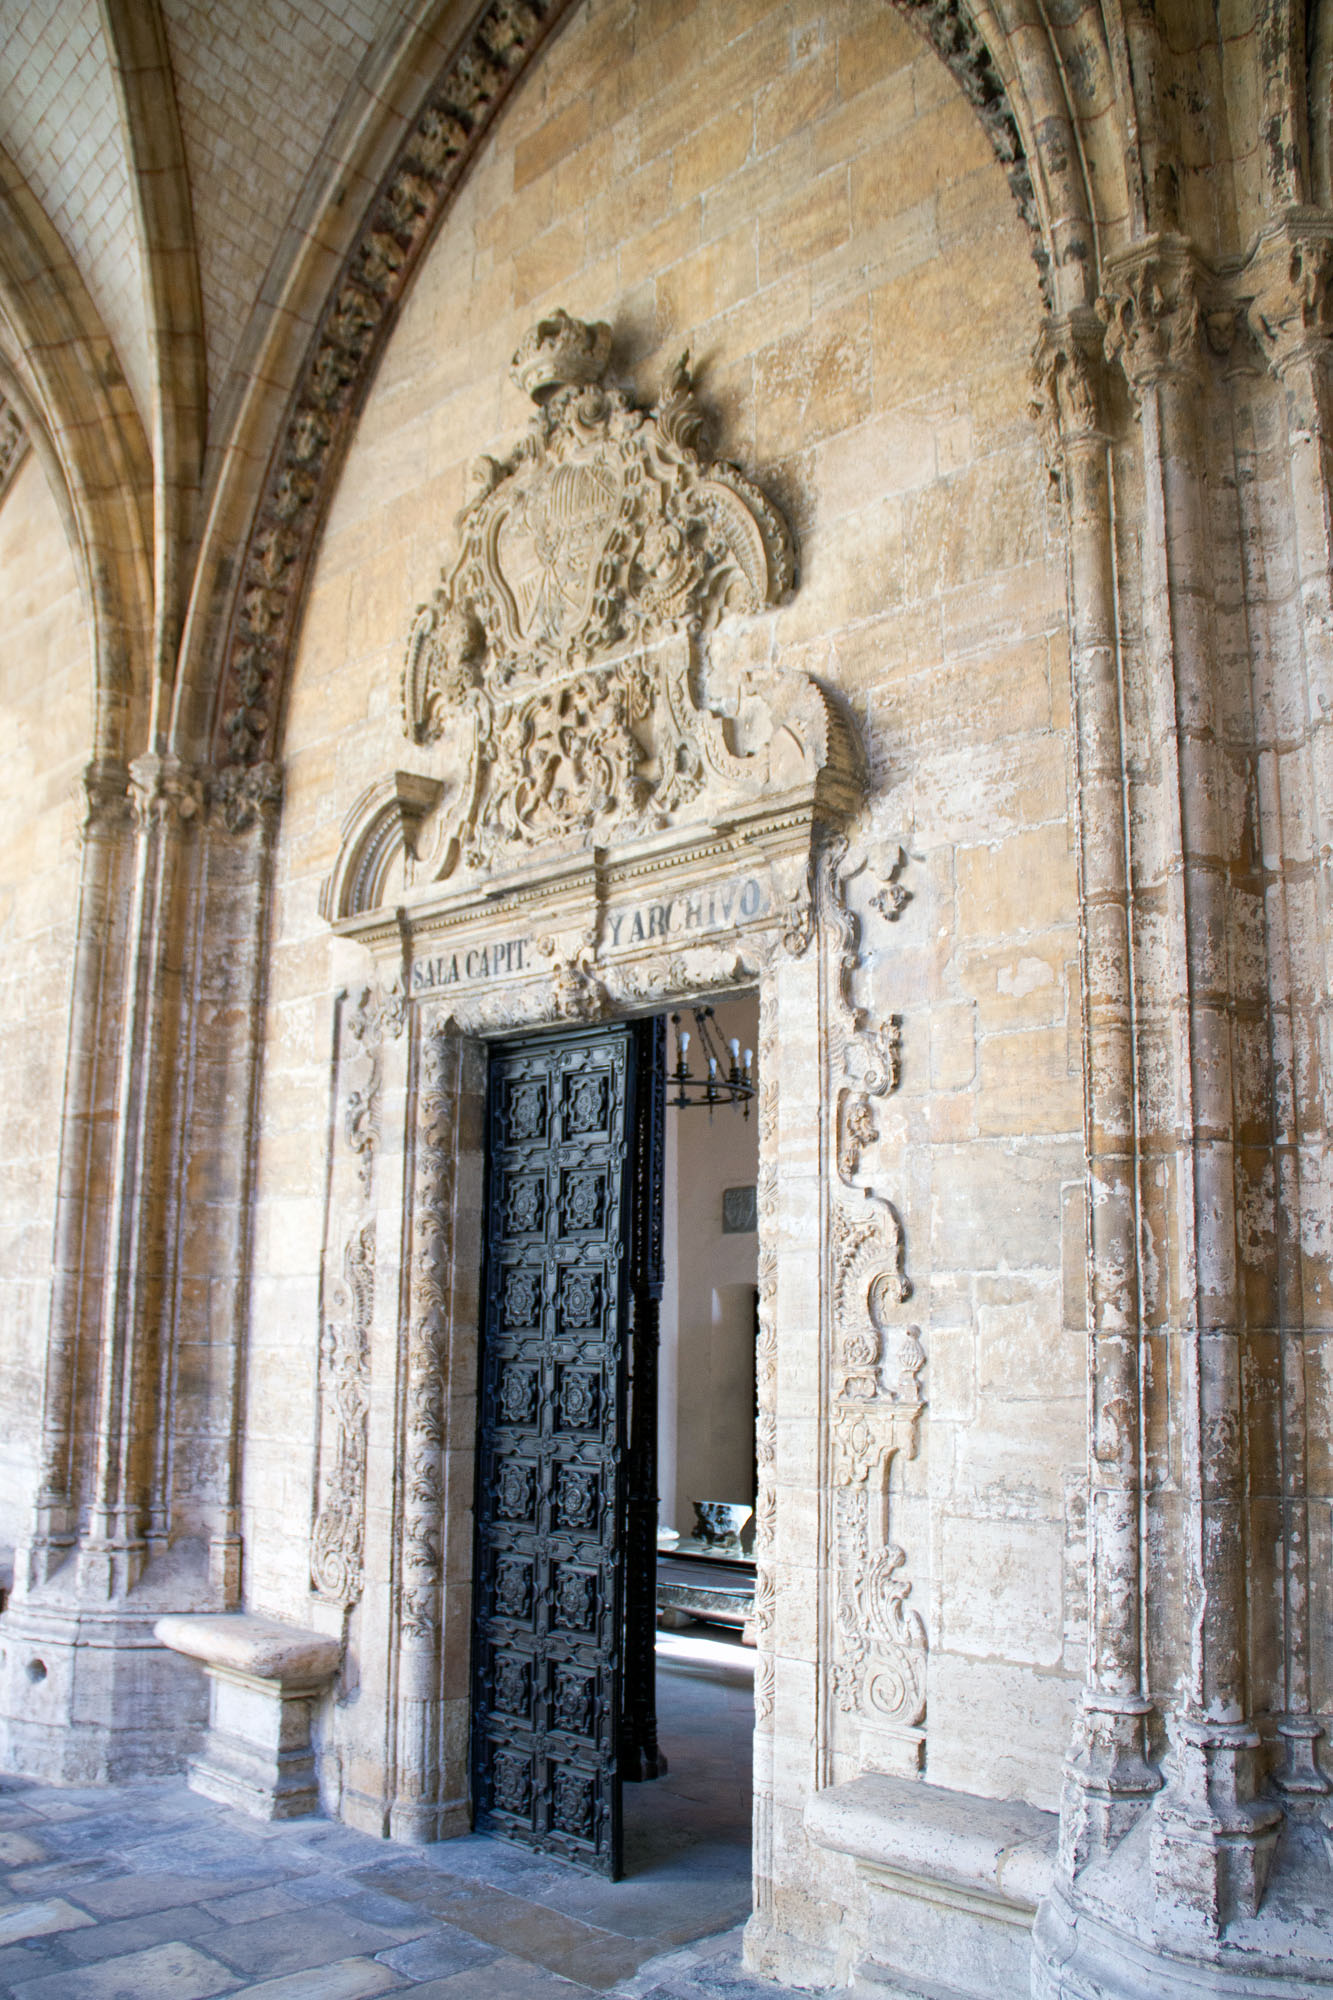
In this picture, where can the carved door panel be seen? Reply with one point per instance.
(548, 1642)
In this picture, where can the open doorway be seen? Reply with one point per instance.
(577, 1205)
(697, 1816)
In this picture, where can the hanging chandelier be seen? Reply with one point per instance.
(724, 1082)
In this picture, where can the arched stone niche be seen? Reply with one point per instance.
(597, 828)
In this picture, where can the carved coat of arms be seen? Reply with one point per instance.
(558, 663)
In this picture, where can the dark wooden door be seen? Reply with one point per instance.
(565, 1265)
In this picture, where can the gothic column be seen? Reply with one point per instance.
(86, 1694)
(1291, 317)
(80, 1195)
(114, 1546)
(1109, 1777)
(1212, 1836)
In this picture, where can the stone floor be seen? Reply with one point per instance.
(147, 1892)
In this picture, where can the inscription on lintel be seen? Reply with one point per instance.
(694, 914)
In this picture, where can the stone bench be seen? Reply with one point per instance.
(264, 1680)
(952, 1883)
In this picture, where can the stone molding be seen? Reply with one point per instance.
(341, 360)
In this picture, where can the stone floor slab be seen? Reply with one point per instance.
(167, 1972)
(298, 1939)
(346, 1979)
(27, 1920)
(135, 1895)
(20, 1850)
(502, 1979)
(173, 1926)
(444, 1949)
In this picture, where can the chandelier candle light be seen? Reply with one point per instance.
(733, 1086)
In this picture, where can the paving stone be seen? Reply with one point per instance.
(167, 1972)
(34, 1956)
(128, 1895)
(502, 1979)
(17, 1850)
(348, 1979)
(442, 1950)
(298, 1939)
(270, 1901)
(27, 1920)
(388, 1913)
(51, 1877)
(171, 1926)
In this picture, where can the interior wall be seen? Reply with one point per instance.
(802, 196)
(45, 733)
(705, 1435)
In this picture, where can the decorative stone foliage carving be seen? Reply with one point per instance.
(338, 1533)
(880, 1646)
(13, 445)
(338, 1538)
(423, 1492)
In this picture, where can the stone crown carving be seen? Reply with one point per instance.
(561, 662)
(564, 684)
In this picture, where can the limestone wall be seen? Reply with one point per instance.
(802, 197)
(45, 703)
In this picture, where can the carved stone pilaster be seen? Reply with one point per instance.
(878, 1642)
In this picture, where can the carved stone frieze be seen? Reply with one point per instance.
(766, 1360)
(1290, 314)
(609, 814)
(1069, 387)
(246, 796)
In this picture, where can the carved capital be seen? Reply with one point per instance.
(247, 796)
(164, 792)
(106, 796)
(1152, 315)
(1291, 312)
(1069, 384)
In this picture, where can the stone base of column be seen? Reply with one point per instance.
(89, 1697)
(1115, 1935)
